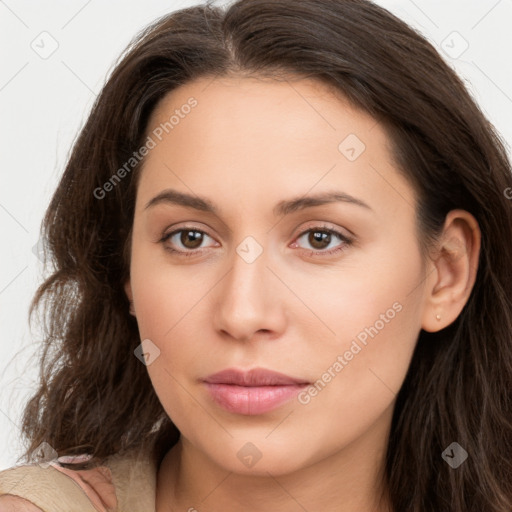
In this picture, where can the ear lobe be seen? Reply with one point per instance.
(454, 271)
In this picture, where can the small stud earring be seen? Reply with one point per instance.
(438, 317)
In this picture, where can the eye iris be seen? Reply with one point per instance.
(319, 237)
(194, 236)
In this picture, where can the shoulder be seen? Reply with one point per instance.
(67, 483)
(55, 486)
(10, 503)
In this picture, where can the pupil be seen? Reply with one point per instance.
(319, 240)
(194, 236)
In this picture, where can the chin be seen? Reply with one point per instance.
(261, 458)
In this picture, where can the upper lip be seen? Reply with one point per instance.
(253, 377)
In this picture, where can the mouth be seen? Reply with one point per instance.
(252, 392)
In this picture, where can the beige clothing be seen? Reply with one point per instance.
(121, 484)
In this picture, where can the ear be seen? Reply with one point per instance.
(452, 271)
(129, 294)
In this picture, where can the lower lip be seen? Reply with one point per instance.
(252, 400)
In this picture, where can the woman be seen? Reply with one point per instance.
(282, 246)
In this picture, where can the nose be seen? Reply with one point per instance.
(249, 301)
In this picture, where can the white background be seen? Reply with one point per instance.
(43, 103)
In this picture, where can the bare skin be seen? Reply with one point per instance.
(248, 145)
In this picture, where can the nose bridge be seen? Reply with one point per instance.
(248, 279)
(248, 300)
(249, 266)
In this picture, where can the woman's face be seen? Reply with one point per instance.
(273, 231)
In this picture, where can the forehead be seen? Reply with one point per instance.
(256, 139)
(263, 107)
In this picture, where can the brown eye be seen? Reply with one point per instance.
(323, 242)
(187, 241)
(191, 239)
(319, 239)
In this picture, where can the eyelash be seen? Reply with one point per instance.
(321, 229)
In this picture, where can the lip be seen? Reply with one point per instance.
(252, 392)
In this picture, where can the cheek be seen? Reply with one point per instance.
(376, 317)
(168, 301)
(357, 383)
(165, 309)
(373, 298)
(164, 293)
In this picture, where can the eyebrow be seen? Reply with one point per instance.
(285, 207)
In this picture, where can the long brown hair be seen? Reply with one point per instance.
(96, 396)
